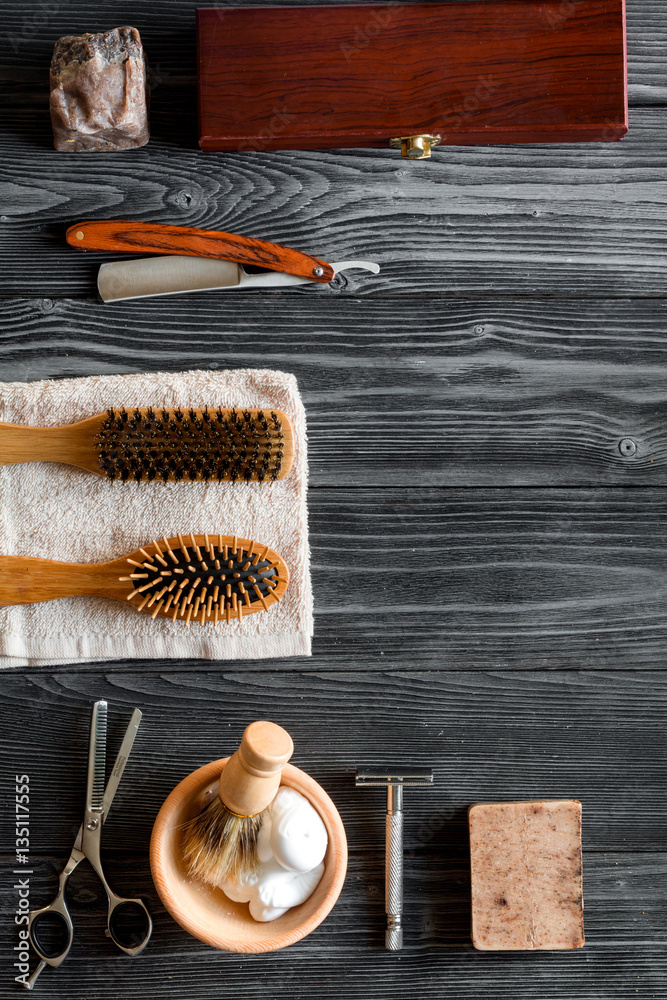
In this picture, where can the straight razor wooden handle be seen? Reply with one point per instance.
(152, 237)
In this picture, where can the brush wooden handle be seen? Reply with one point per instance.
(152, 237)
(28, 580)
(19, 443)
(251, 778)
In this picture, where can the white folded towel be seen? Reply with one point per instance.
(59, 512)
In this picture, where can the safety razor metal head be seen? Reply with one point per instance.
(384, 779)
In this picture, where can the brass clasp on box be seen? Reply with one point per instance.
(415, 147)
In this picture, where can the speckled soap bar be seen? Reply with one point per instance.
(526, 877)
(99, 92)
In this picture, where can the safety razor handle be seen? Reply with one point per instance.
(393, 883)
(394, 782)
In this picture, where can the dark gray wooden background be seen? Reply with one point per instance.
(489, 560)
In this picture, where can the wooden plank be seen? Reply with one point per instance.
(490, 393)
(508, 735)
(624, 918)
(483, 580)
(487, 737)
(647, 38)
(491, 579)
(514, 220)
(364, 975)
(516, 577)
(623, 895)
(168, 34)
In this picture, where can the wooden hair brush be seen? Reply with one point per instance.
(157, 444)
(222, 839)
(204, 578)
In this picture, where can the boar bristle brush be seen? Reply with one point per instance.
(146, 445)
(222, 839)
(204, 578)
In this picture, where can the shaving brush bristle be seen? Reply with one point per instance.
(217, 844)
(222, 840)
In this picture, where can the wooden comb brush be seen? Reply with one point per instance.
(206, 578)
(156, 444)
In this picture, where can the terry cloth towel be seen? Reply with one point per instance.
(60, 512)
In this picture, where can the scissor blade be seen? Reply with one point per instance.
(114, 781)
(121, 761)
(97, 758)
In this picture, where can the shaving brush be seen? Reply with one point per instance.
(222, 840)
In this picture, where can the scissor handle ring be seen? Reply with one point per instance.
(129, 924)
(56, 955)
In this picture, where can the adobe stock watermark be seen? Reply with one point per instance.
(430, 828)
(281, 118)
(379, 19)
(156, 76)
(32, 23)
(611, 132)
(22, 883)
(565, 10)
(457, 115)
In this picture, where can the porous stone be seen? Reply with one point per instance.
(99, 92)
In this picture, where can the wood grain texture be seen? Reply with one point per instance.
(513, 639)
(484, 580)
(521, 220)
(624, 912)
(481, 576)
(583, 734)
(531, 393)
(488, 737)
(647, 28)
(472, 72)
(30, 31)
(624, 915)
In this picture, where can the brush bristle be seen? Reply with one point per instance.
(222, 579)
(185, 446)
(217, 844)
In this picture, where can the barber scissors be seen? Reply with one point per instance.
(128, 921)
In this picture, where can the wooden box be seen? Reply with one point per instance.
(470, 72)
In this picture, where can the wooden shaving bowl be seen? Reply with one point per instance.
(204, 911)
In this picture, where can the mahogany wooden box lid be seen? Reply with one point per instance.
(470, 71)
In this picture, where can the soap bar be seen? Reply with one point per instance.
(99, 92)
(526, 877)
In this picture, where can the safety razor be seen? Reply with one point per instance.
(394, 782)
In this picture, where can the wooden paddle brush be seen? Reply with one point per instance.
(222, 839)
(206, 578)
(156, 444)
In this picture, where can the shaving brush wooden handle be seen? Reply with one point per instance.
(222, 839)
(251, 777)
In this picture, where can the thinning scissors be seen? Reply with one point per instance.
(128, 921)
